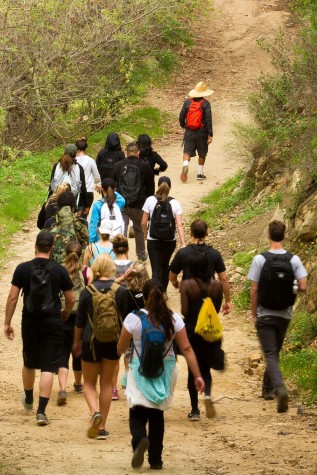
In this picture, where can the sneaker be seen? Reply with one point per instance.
(282, 399)
(115, 395)
(138, 455)
(210, 408)
(93, 429)
(200, 176)
(184, 173)
(194, 415)
(268, 394)
(42, 420)
(78, 388)
(28, 407)
(61, 398)
(103, 434)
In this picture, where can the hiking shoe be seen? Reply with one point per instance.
(200, 176)
(42, 420)
(28, 407)
(282, 399)
(268, 394)
(78, 388)
(93, 429)
(131, 232)
(210, 408)
(138, 456)
(115, 395)
(103, 434)
(61, 398)
(194, 415)
(184, 173)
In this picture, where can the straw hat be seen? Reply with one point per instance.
(200, 90)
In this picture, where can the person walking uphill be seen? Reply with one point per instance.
(195, 116)
(41, 281)
(273, 275)
(148, 394)
(134, 181)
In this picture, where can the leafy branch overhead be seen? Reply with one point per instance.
(73, 63)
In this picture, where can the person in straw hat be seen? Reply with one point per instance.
(195, 117)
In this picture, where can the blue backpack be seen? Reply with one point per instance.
(153, 348)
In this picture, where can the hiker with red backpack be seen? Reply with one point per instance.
(196, 118)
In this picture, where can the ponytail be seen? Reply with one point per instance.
(155, 303)
(72, 262)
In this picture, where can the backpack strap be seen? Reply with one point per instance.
(270, 255)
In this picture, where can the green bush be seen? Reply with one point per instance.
(302, 329)
(301, 367)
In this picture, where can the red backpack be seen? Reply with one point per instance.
(195, 115)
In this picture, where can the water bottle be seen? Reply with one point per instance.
(295, 287)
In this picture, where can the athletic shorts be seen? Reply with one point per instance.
(106, 351)
(42, 343)
(193, 142)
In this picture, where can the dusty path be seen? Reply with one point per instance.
(247, 436)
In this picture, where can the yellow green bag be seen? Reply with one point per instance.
(208, 323)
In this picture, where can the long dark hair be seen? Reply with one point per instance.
(159, 313)
(108, 185)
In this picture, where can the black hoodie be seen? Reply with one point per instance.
(109, 155)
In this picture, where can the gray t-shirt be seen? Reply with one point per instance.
(255, 273)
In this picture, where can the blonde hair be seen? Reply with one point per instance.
(73, 254)
(137, 278)
(120, 245)
(162, 192)
(60, 189)
(103, 266)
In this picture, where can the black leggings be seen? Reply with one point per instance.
(160, 253)
(139, 416)
(193, 394)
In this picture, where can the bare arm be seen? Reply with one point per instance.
(87, 256)
(77, 341)
(226, 308)
(70, 300)
(90, 275)
(173, 279)
(302, 284)
(184, 298)
(124, 341)
(11, 304)
(144, 222)
(180, 228)
(254, 299)
(188, 352)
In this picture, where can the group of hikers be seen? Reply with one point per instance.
(83, 296)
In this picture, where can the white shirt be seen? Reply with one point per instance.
(149, 206)
(91, 171)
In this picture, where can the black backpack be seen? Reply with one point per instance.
(40, 299)
(162, 225)
(153, 348)
(129, 184)
(276, 281)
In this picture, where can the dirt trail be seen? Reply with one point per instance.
(247, 436)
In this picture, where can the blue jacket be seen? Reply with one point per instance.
(95, 216)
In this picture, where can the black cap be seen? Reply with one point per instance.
(165, 179)
(44, 238)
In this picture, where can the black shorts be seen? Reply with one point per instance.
(42, 343)
(106, 351)
(193, 142)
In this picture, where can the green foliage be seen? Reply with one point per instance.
(302, 330)
(242, 299)
(225, 198)
(244, 259)
(253, 210)
(301, 367)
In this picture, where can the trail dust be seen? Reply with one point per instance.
(247, 436)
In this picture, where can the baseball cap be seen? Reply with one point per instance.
(44, 238)
(105, 227)
(165, 179)
(71, 149)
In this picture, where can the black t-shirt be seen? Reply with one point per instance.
(214, 257)
(135, 300)
(85, 306)
(59, 277)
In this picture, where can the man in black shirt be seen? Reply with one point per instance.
(138, 185)
(42, 331)
(214, 260)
